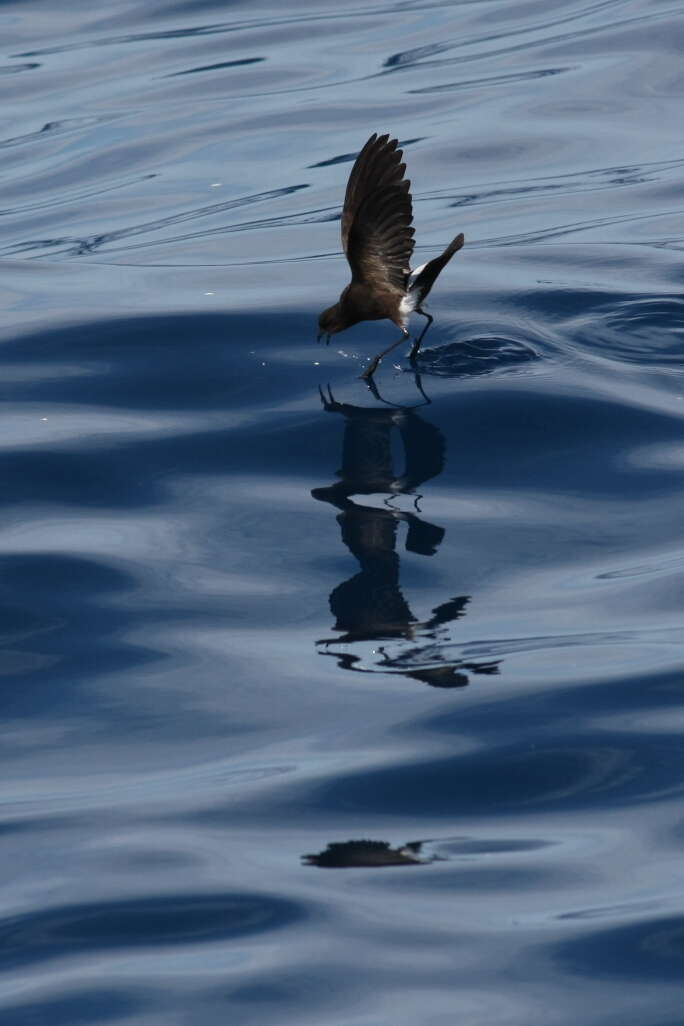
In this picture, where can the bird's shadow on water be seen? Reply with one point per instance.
(370, 607)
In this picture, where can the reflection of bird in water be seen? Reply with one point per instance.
(371, 606)
(370, 854)
(378, 240)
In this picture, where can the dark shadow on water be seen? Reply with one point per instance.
(145, 923)
(651, 950)
(80, 1009)
(61, 625)
(371, 606)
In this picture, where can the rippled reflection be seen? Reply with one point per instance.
(370, 606)
(370, 854)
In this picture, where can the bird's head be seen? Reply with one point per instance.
(331, 321)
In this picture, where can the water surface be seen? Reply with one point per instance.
(325, 706)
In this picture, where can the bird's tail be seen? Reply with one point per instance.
(427, 275)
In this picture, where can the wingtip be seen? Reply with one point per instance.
(385, 141)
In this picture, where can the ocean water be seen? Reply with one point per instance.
(324, 705)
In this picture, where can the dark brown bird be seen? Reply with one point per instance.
(377, 237)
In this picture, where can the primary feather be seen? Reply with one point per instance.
(377, 232)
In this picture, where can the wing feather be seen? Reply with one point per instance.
(377, 232)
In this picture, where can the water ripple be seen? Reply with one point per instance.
(203, 820)
(218, 67)
(639, 329)
(79, 247)
(178, 919)
(473, 356)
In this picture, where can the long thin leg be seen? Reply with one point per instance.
(419, 386)
(373, 388)
(374, 391)
(416, 345)
(370, 371)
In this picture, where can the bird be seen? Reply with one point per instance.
(377, 238)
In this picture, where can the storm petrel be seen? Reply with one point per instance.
(377, 237)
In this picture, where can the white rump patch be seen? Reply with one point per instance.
(414, 274)
(412, 299)
(408, 304)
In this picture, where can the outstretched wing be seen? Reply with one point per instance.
(376, 220)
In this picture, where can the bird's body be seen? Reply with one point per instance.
(377, 237)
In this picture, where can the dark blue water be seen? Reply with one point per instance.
(322, 707)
